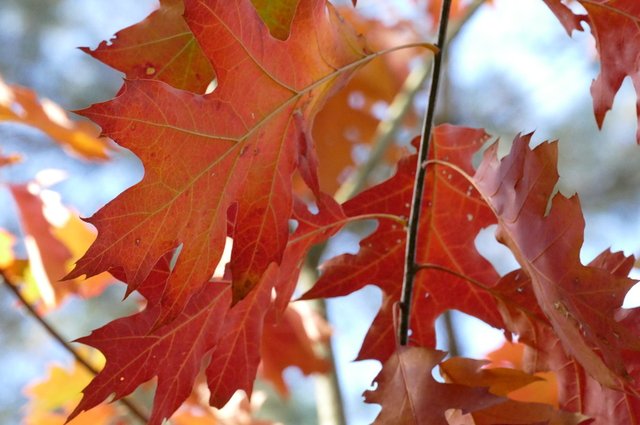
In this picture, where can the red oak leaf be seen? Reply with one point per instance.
(136, 350)
(230, 338)
(615, 24)
(409, 395)
(162, 48)
(251, 129)
(453, 214)
(547, 246)
(578, 391)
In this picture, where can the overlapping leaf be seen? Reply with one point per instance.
(136, 352)
(615, 24)
(552, 294)
(199, 152)
(501, 382)
(547, 246)
(231, 339)
(409, 395)
(579, 392)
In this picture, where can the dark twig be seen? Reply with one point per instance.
(418, 188)
(135, 410)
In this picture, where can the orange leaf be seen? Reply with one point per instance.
(51, 400)
(22, 106)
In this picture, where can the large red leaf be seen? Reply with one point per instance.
(231, 340)
(615, 24)
(199, 152)
(547, 245)
(137, 350)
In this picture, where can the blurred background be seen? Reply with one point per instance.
(511, 70)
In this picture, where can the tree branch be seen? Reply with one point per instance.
(135, 410)
(418, 188)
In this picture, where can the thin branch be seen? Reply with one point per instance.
(135, 410)
(329, 401)
(418, 188)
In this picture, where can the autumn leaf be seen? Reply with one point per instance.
(409, 395)
(253, 128)
(501, 382)
(453, 214)
(54, 237)
(53, 398)
(578, 391)
(22, 106)
(615, 24)
(230, 339)
(547, 245)
(512, 355)
(292, 341)
(162, 48)
(135, 352)
(47, 255)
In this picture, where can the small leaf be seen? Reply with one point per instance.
(615, 24)
(21, 105)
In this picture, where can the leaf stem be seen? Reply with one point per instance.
(135, 410)
(418, 188)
